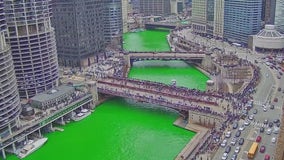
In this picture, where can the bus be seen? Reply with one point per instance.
(252, 150)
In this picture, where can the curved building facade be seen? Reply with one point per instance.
(268, 39)
(9, 97)
(33, 46)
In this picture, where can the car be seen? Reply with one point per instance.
(258, 139)
(242, 128)
(275, 100)
(261, 129)
(262, 149)
(273, 139)
(254, 111)
(278, 124)
(269, 130)
(276, 121)
(237, 150)
(279, 89)
(224, 143)
(225, 156)
(272, 107)
(235, 125)
(267, 157)
(238, 133)
(264, 109)
(265, 121)
(276, 130)
(228, 134)
(234, 157)
(228, 149)
(247, 122)
(233, 142)
(270, 124)
(251, 117)
(241, 141)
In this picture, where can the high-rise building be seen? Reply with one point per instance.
(9, 97)
(269, 11)
(241, 19)
(199, 15)
(33, 45)
(177, 6)
(218, 29)
(125, 15)
(279, 16)
(113, 21)
(155, 7)
(79, 29)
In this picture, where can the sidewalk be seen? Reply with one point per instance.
(192, 144)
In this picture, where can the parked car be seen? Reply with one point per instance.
(225, 156)
(235, 125)
(273, 139)
(238, 133)
(261, 129)
(267, 157)
(241, 141)
(228, 149)
(237, 150)
(262, 149)
(258, 139)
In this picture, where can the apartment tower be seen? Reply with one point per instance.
(9, 97)
(33, 47)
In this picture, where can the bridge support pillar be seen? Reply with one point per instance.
(3, 154)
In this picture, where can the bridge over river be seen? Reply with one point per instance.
(179, 98)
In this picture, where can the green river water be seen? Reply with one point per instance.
(120, 129)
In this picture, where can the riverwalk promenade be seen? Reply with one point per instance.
(194, 144)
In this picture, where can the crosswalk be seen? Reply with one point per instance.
(259, 124)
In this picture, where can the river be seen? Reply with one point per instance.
(121, 129)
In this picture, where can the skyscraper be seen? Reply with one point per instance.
(199, 15)
(9, 97)
(279, 15)
(241, 19)
(113, 20)
(33, 46)
(125, 15)
(155, 7)
(269, 11)
(79, 29)
(218, 29)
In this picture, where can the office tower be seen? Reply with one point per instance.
(279, 16)
(33, 45)
(218, 28)
(177, 6)
(269, 11)
(241, 19)
(199, 15)
(9, 97)
(79, 29)
(155, 7)
(125, 15)
(210, 17)
(113, 21)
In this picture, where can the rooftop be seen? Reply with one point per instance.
(269, 32)
(53, 93)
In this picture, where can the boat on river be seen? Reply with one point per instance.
(30, 147)
(81, 115)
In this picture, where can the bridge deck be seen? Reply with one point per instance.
(179, 98)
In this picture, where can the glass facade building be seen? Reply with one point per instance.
(33, 47)
(155, 7)
(113, 20)
(241, 19)
(9, 97)
(279, 16)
